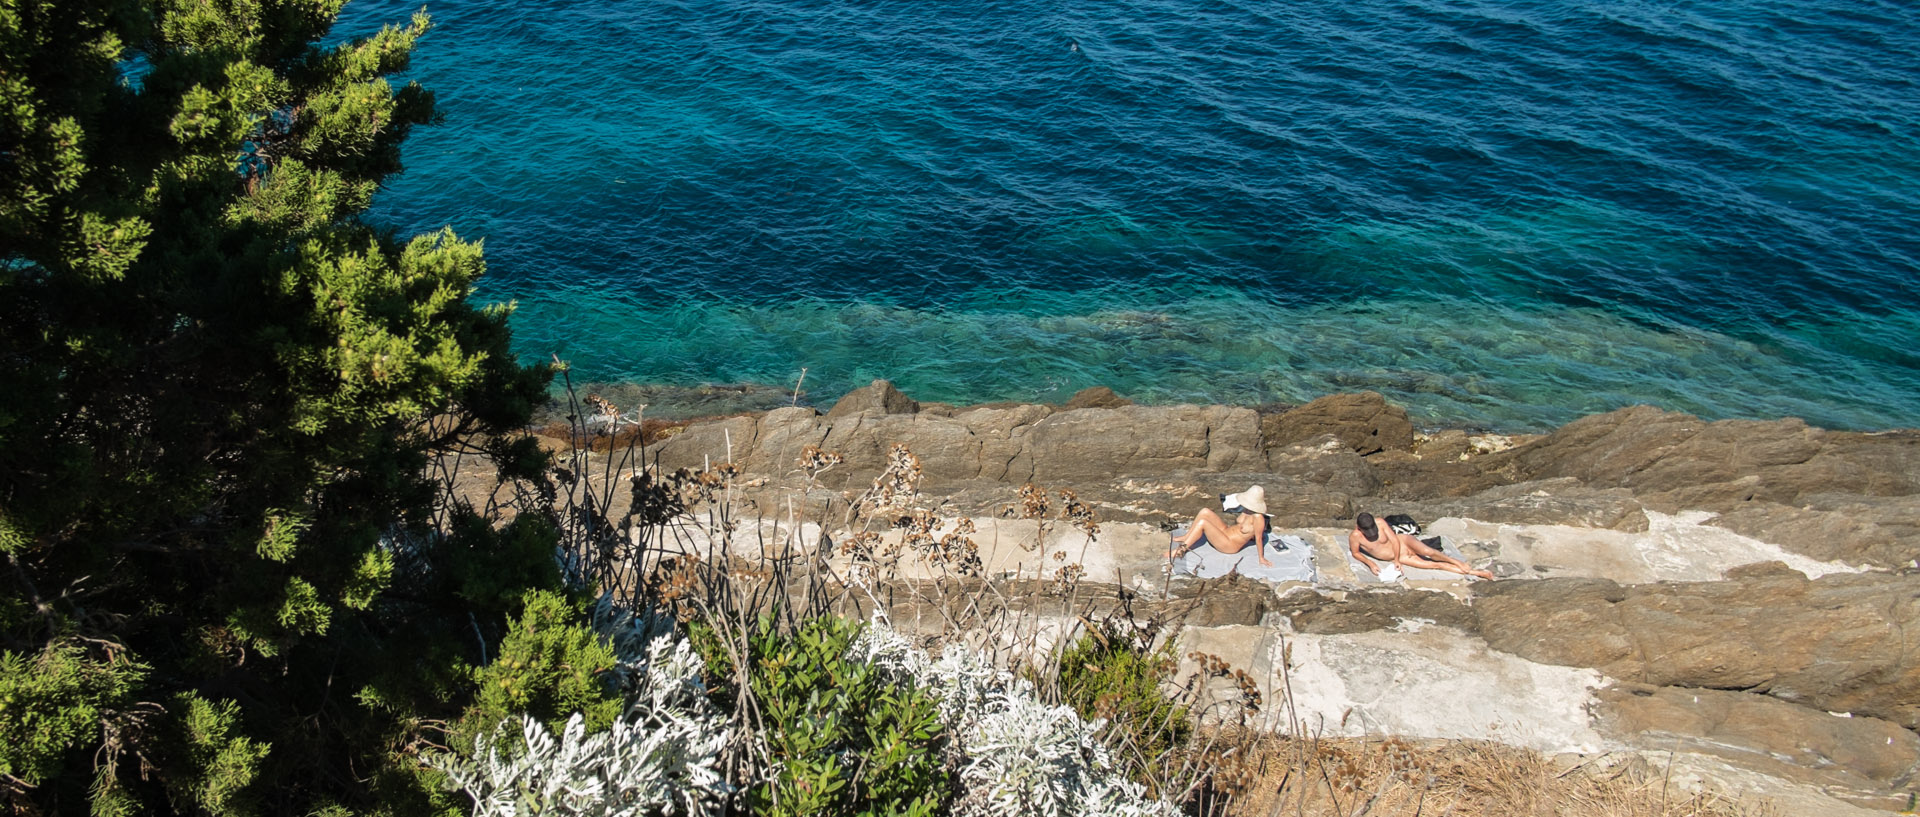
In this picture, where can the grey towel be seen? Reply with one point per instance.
(1291, 556)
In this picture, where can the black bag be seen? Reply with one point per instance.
(1402, 523)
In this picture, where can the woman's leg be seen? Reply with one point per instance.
(1208, 524)
(1205, 517)
(1205, 522)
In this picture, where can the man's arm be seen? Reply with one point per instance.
(1353, 547)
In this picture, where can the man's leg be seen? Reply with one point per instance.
(1451, 565)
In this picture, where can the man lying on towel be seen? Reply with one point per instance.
(1249, 527)
(1369, 538)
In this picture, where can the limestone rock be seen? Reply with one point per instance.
(1221, 602)
(1365, 422)
(1837, 643)
(1003, 446)
(1851, 528)
(1563, 501)
(1096, 397)
(1445, 445)
(1653, 451)
(1755, 473)
(878, 397)
(947, 449)
(1313, 612)
(1326, 463)
(1760, 732)
(1100, 444)
(711, 442)
(782, 435)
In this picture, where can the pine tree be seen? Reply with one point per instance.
(215, 385)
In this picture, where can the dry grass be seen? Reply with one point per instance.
(631, 529)
(1270, 776)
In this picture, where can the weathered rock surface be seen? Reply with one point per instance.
(1364, 422)
(1419, 680)
(1757, 731)
(878, 397)
(1673, 548)
(1561, 501)
(1742, 670)
(1322, 614)
(1838, 643)
(1099, 444)
(1828, 494)
(1016, 444)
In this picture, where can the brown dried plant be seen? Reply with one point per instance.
(899, 484)
(1078, 514)
(1033, 502)
(815, 461)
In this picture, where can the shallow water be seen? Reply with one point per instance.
(1502, 214)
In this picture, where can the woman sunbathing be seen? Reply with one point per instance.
(1249, 528)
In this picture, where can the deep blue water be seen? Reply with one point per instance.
(1505, 213)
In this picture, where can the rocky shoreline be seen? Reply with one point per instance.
(1829, 495)
(1733, 595)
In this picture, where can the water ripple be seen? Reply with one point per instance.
(1713, 204)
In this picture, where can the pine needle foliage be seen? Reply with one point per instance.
(223, 593)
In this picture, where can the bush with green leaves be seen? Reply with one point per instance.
(549, 666)
(222, 389)
(51, 700)
(1115, 674)
(844, 735)
(1017, 754)
(658, 757)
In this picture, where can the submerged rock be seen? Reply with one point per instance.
(878, 397)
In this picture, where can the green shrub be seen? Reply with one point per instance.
(51, 701)
(1115, 674)
(843, 738)
(219, 760)
(551, 664)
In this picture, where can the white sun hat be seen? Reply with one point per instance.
(1253, 499)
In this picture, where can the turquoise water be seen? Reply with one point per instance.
(1501, 214)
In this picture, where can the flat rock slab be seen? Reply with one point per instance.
(1856, 754)
(1839, 643)
(1425, 680)
(1677, 547)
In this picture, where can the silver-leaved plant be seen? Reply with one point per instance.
(659, 758)
(1017, 755)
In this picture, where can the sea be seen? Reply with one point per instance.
(1502, 214)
